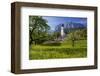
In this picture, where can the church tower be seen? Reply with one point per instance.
(62, 31)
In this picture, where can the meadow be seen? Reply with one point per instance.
(57, 50)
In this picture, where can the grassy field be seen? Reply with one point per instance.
(63, 50)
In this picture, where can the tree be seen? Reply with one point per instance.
(38, 29)
(79, 34)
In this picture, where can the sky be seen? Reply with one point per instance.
(53, 21)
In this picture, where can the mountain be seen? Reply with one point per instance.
(69, 26)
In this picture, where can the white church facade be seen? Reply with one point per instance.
(62, 32)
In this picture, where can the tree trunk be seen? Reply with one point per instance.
(73, 42)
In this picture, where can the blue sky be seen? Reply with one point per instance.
(53, 21)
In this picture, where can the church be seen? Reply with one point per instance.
(62, 32)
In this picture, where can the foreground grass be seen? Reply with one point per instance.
(65, 50)
(48, 53)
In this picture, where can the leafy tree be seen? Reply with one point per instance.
(79, 34)
(38, 29)
(56, 35)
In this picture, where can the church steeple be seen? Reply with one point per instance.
(62, 31)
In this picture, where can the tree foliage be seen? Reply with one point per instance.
(38, 29)
(80, 34)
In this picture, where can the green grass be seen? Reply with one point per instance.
(64, 50)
